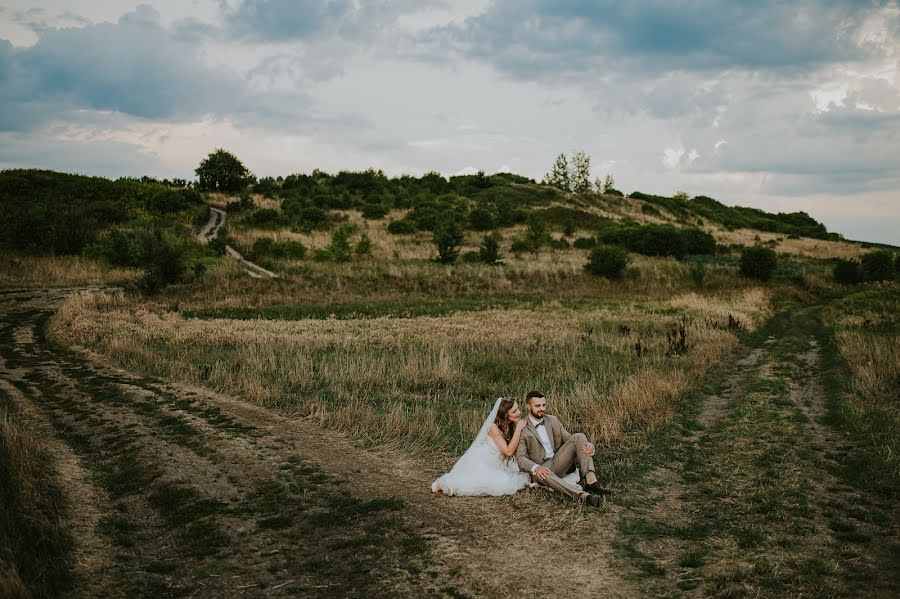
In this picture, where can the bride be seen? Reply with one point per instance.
(488, 466)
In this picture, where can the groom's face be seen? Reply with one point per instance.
(538, 407)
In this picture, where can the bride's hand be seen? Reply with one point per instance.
(520, 425)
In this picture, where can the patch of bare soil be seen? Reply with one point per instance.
(179, 491)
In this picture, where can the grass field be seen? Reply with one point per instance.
(750, 429)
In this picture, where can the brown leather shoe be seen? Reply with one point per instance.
(595, 487)
(595, 500)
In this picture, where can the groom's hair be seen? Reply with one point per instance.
(533, 394)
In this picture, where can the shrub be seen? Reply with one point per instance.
(489, 253)
(218, 244)
(339, 248)
(401, 227)
(607, 261)
(448, 236)
(698, 241)
(878, 265)
(374, 211)
(266, 246)
(265, 217)
(847, 272)
(482, 219)
(167, 201)
(758, 263)
(164, 259)
(585, 243)
(364, 245)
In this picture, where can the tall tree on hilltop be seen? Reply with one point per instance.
(581, 172)
(222, 171)
(559, 176)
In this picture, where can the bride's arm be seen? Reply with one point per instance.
(507, 449)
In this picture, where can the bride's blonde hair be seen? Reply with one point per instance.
(507, 428)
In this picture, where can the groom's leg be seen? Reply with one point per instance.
(558, 484)
(570, 453)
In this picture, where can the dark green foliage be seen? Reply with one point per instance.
(218, 244)
(164, 258)
(698, 241)
(167, 201)
(304, 216)
(374, 211)
(448, 236)
(561, 217)
(735, 217)
(339, 249)
(613, 192)
(659, 240)
(489, 253)
(758, 263)
(268, 247)
(55, 213)
(401, 227)
(607, 261)
(222, 171)
(847, 272)
(585, 243)
(429, 212)
(482, 219)
(878, 265)
(363, 246)
(265, 217)
(244, 203)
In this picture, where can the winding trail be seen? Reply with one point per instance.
(179, 491)
(211, 229)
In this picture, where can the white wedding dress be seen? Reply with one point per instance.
(482, 470)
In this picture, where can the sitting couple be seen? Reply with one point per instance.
(545, 453)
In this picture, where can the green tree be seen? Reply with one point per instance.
(758, 263)
(878, 265)
(448, 236)
(489, 253)
(580, 176)
(559, 176)
(607, 261)
(608, 183)
(222, 171)
(847, 272)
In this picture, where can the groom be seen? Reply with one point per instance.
(547, 451)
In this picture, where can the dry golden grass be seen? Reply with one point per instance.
(804, 246)
(59, 271)
(867, 331)
(34, 545)
(426, 382)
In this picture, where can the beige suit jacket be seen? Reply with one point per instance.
(530, 451)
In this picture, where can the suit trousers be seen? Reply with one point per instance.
(568, 454)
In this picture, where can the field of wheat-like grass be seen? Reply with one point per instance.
(59, 271)
(426, 382)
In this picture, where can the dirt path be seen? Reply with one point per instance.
(209, 232)
(177, 491)
(756, 497)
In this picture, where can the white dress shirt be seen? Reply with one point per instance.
(544, 437)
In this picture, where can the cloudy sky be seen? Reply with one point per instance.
(781, 105)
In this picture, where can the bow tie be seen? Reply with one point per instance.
(539, 423)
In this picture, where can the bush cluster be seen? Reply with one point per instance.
(758, 263)
(880, 265)
(607, 261)
(659, 240)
